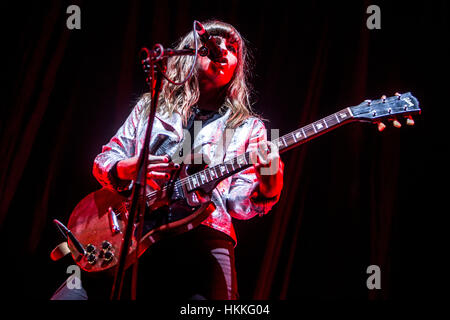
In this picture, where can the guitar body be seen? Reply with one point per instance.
(99, 222)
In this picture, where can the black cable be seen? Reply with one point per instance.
(67, 233)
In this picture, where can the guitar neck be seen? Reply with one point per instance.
(213, 175)
(313, 130)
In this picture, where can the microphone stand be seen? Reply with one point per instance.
(154, 64)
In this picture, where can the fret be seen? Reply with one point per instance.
(195, 182)
(223, 169)
(314, 127)
(218, 174)
(203, 177)
(284, 141)
(288, 140)
(350, 111)
(207, 175)
(336, 117)
(318, 126)
(304, 134)
(197, 179)
(325, 121)
(343, 114)
(308, 129)
(331, 121)
(212, 173)
(297, 135)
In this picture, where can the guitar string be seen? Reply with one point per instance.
(332, 119)
(185, 181)
(234, 161)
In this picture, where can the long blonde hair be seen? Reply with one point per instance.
(237, 93)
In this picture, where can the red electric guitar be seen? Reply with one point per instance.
(98, 222)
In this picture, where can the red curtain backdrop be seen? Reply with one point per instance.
(352, 198)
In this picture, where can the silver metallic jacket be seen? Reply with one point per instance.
(237, 196)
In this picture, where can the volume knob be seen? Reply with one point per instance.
(91, 258)
(106, 245)
(90, 248)
(108, 256)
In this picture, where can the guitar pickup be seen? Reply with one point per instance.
(113, 223)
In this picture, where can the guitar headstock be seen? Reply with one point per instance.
(404, 105)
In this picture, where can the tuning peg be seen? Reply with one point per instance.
(409, 121)
(381, 126)
(383, 97)
(398, 95)
(396, 123)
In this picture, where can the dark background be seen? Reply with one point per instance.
(352, 198)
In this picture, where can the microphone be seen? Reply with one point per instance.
(214, 51)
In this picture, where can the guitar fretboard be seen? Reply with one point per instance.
(219, 171)
(312, 130)
(288, 141)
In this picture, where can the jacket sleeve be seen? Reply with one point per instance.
(244, 199)
(121, 146)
